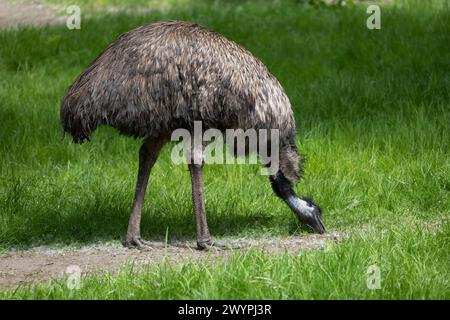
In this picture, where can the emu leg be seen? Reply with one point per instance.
(204, 241)
(198, 203)
(148, 154)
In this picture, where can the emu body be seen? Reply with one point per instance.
(164, 76)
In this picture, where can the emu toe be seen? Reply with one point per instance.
(141, 244)
(208, 245)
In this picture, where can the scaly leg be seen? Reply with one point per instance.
(198, 202)
(148, 154)
(204, 241)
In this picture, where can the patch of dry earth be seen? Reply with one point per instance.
(18, 267)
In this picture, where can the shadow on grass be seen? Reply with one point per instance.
(86, 224)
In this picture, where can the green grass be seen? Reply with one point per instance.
(373, 114)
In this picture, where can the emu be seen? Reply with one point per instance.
(163, 76)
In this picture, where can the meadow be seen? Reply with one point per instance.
(373, 114)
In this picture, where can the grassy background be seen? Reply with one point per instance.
(373, 113)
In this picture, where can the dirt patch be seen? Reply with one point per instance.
(35, 13)
(28, 13)
(20, 267)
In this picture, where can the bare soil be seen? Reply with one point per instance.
(36, 13)
(21, 267)
(14, 13)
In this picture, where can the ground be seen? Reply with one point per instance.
(31, 13)
(372, 109)
(24, 267)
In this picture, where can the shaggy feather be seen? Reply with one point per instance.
(164, 76)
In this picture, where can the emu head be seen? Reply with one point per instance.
(307, 212)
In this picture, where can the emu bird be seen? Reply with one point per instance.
(163, 76)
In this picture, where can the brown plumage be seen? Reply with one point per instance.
(164, 76)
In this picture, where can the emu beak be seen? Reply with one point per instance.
(307, 212)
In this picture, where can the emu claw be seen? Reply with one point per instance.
(208, 245)
(141, 244)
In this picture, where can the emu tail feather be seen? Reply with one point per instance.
(77, 116)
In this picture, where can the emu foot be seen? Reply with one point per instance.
(141, 244)
(210, 244)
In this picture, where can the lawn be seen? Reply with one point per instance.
(373, 115)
